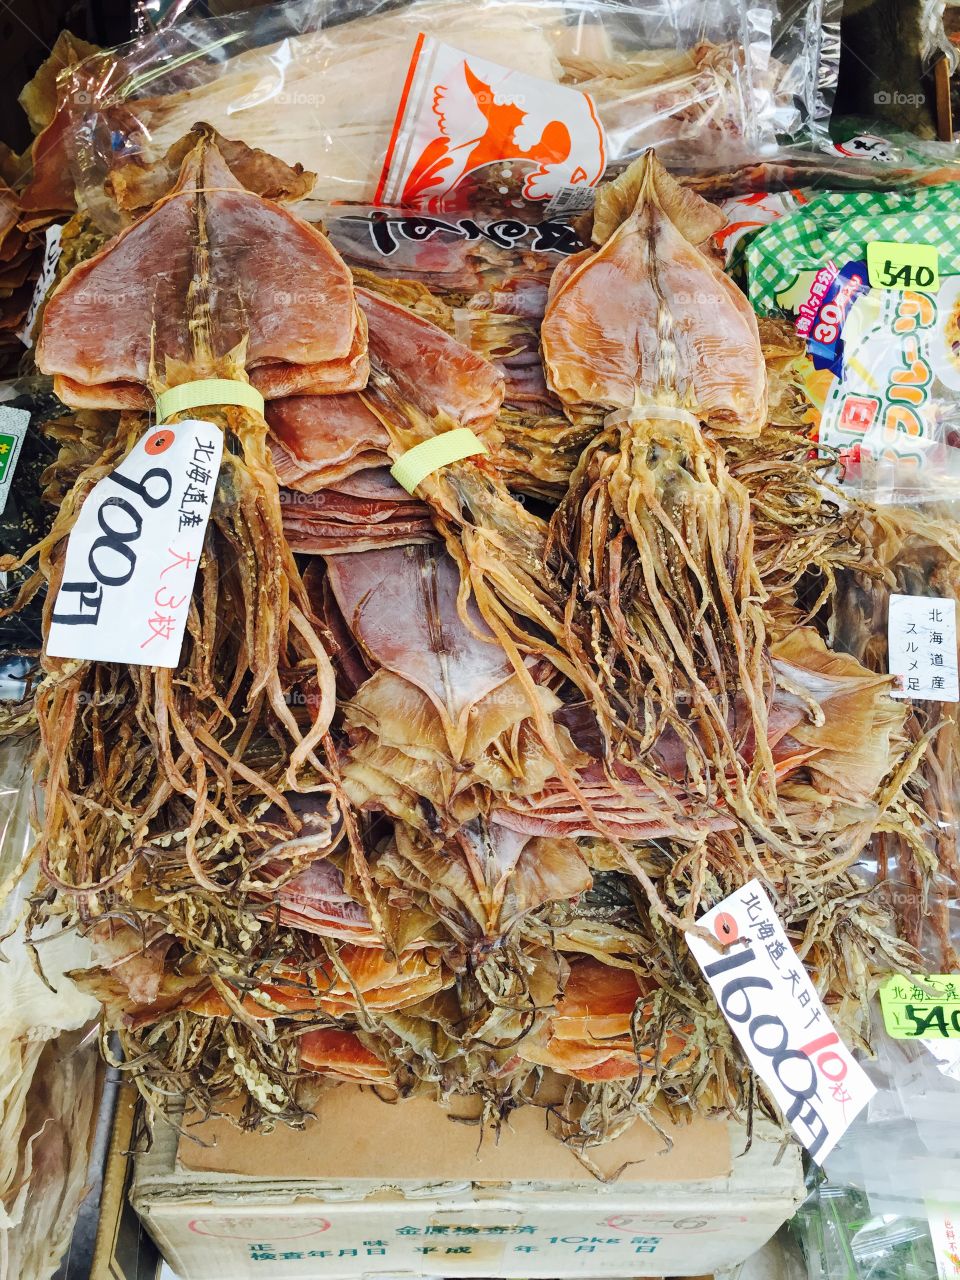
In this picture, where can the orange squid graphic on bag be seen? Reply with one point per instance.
(460, 115)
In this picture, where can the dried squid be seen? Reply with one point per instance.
(163, 784)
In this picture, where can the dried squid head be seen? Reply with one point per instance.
(647, 311)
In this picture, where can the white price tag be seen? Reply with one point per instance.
(922, 640)
(774, 1011)
(51, 256)
(132, 555)
(944, 1222)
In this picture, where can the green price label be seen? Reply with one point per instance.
(8, 449)
(924, 1007)
(903, 266)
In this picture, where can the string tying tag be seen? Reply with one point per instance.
(194, 395)
(430, 455)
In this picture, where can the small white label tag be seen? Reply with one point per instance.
(51, 256)
(944, 1222)
(133, 553)
(774, 1011)
(922, 640)
(13, 428)
(571, 200)
(461, 115)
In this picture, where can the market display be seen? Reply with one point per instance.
(434, 621)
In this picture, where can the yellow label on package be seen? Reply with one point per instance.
(924, 1007)
(891, 265)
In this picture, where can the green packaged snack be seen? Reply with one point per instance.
(871, 281)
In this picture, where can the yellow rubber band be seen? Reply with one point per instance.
(193, 395)
(430, 455)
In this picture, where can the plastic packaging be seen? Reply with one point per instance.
(321, 84)
(842, 1240)
(883, 363)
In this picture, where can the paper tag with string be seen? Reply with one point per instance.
(133, 553)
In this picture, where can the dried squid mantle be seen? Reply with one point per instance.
(434, 815)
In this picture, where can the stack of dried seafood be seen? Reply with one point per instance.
(442, 780)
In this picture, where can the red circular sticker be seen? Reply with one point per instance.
(159, 441)
(726, 927)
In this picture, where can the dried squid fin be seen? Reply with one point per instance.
(853, 729)
(133, 306)
(695, 218)
(136, 186)
(402, 606)
(435, 373)
(319, 440)
(342, 1055)
(648, 317)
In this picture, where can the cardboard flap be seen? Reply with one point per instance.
(357, 1136)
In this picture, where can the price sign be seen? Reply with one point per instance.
(773, 1009)
(891, 265)
(926, 1007)
(132, 555)
(13, 428)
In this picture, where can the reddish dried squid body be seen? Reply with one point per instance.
(186, 293)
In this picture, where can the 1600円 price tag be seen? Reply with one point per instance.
(773, 1009)
(132, 555)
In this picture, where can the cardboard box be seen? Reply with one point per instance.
(371, 1190)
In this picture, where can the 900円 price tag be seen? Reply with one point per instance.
(773, 1009)
(132, 555)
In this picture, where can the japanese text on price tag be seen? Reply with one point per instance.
(774, 1011)
(926, 1007)
(922, 641)
(132, 555)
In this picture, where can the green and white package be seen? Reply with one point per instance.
(883, 351)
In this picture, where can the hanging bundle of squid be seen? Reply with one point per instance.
(161, 783)
(653, 542)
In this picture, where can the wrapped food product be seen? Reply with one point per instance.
(50, 1059)
(352, 92)
(882, 364)
(511, 638)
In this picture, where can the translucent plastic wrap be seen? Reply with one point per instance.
(916, 553)
(843, 1239)
(321, 85)
(48, 1053)
(882, 363)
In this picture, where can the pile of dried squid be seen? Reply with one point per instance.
(443, 779)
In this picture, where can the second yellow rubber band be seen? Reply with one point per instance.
(428, 456)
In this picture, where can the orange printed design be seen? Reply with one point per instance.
(460, 115)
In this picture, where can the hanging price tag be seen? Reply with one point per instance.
(133, 553)
(773, 1009)
(924, 1008)
(903, 266)
(922, 648)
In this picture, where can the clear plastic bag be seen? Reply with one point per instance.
(882, 363)
(320, 83)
